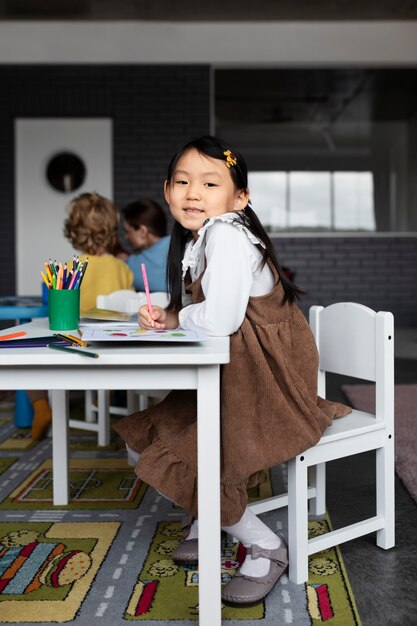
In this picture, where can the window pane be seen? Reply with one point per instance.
(310, 200)
(267, 192)
(354, 204)
(305, 201)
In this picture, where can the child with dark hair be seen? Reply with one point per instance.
(225, 279)
(145, 226)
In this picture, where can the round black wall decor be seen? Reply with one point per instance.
(65, 172)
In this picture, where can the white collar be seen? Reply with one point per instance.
(193, 248)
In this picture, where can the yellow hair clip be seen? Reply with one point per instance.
(230, 158)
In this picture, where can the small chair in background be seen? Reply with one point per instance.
(98, 407)
(126, 301)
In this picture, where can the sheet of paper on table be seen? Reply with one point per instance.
(123, 333)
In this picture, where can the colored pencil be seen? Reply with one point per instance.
(73, 280)
(69, 277)
(59, 276)
(72, 339)
(148, 295)
(12, 336)
(83, 272)
(45, 280)
(48, 272)
(52, 267)
(78, 340)
(93, 355)
(77, 281)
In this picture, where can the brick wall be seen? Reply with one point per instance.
(380, 271)
(155, 109)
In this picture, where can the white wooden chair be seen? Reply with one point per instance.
(97, 404)
(352, 340)
(126, 301)
(98, 410)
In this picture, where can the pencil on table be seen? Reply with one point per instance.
(72, 339)
(92, 355)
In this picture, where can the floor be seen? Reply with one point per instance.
(384, 582)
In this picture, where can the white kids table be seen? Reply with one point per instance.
(123, 366)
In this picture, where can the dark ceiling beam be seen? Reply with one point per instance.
(214, 10)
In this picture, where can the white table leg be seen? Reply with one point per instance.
(208, 441)
(60, 446)
(103, 417)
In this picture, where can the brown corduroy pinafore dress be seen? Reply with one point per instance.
(270, 411)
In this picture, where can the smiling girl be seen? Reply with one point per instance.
(224, 280)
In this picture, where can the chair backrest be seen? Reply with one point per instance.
(126, 301)
(353, 340)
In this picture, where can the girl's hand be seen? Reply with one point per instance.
(159, 317)
(162, 319)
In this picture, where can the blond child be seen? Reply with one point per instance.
(92, 229)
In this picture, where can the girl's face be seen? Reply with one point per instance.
(201, 187)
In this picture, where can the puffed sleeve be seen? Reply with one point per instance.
(226, 283)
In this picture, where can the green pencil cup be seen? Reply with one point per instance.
(63, 309)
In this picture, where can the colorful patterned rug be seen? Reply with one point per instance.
(47, 569)
(19, 439)
(5, 463)
(94, 484)
(167, 591)
(106, 556)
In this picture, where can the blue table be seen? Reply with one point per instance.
(22, 309)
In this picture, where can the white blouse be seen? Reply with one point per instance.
(233, 274)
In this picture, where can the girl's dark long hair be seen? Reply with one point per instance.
(214, 147)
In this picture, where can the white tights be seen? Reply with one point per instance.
(132, 456)
(249, 530)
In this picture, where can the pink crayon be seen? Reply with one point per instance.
(148, 295)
